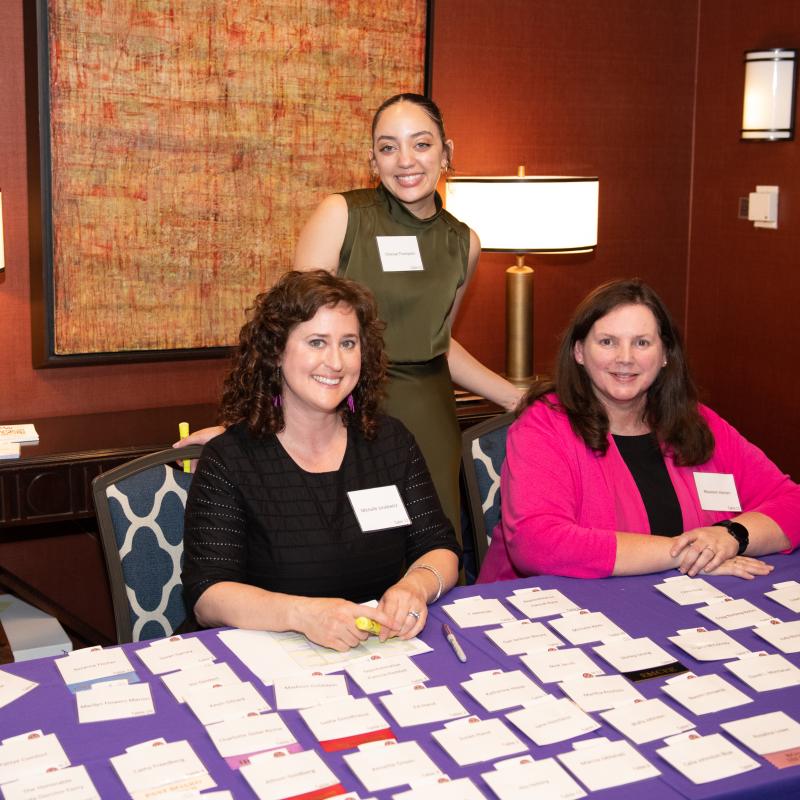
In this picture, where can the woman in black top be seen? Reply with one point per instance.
(277, 536)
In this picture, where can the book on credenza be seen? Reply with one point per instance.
(24, 433)
(9, 450)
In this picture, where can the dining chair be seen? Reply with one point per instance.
(140, 509)
(483, 450)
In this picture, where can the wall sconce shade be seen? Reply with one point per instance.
(525, 214)
(769, 91)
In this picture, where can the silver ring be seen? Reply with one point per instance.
(414, 614)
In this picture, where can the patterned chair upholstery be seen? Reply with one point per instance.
(140, 509)
(483, 451)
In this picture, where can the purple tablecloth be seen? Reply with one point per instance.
(632, 603)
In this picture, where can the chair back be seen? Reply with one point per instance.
(483, 451)
(140, 509)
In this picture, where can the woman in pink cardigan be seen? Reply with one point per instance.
(618, 448)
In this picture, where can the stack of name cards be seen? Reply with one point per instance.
(514, 778)
(71, 782)
(344, 724)
(703, 759)
(686, 591)
(278, 775)
(82, 669)
(382, 765)
(29, 754)
(787, 593)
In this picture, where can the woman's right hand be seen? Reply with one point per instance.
(200, 437)
(331, 621)
(742, 567)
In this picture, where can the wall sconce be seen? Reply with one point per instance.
(526, 214)
(2, 239)
(769, 89)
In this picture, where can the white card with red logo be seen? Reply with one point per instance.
(378, 673)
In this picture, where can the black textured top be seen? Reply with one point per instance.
(254, 516)
(643, 457)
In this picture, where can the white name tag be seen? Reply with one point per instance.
(399, 253)
(717, 491)
(379, 508)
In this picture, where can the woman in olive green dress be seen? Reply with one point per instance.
(418, 260)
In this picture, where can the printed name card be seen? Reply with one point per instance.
(639, 659)
(379, 508)
(30, 753)
(555, 665)
(717, 491)
(442, 788)
(764, 672)
(704, 694)
(308, 689)
(584, 626)
(72, 782)
(496, 689)
(775, 736)
(551, 720)
(523, 777)
(82, 668)
(734, 614)
(382, 674)
(783, 635)
(238, 740)
(158, 764)
(705, 645)
(13, 687)
(421, 705)
(534, 602)
(787, 593)
(601, 692)
(399, 253)
(205, 676)
(381, 765)
(601, 764)
(523, 636)
(106, 701)
(345, 724)
(225, 701)
(703, 759)
(472, 740)
(687, 591)
(645, 721)
(173, 653)
(472, 612)
(280, 776)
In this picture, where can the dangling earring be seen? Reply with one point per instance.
(277, 400)
(351, 404)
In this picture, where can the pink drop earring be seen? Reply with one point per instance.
(351, 404)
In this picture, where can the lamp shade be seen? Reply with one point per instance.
(769, 89)
(528, 214)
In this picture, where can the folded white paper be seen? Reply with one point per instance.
(607, 764)
(523, 636)
(787, 593)
(703, 759)
(704, 694)
(552, 720)
(783, 635)
(235, 739)
(775, 735)
(308, 689)
(734, 614)
(555, 665)
(629, 655)
(73, 783)
(13, 687)
(442, 788)
(205, 676)
(544, 780)
(225, 701)
(107, 701)
(472, 740)
(384, 673)
(82, 668)
(29, 754)
(279, 776)
(472, 612)
(176, 652)
(704, 645)
(584, 626)
(687, 591)
(496, 689)
(344, 724)
(534, 602)
(159, 764)
(390, 763)
(646, 721)
(421, 705)
(601, 692)
(764, 672)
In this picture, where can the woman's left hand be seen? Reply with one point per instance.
(406, 605)
(743, 567)
(703, 549)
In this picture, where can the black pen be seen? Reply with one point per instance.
(450, 636)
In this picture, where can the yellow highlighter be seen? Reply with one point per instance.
(183, 432)
(368, 625)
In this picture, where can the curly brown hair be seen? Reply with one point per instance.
(671, 406)
(254, 381)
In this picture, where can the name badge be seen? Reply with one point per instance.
(379, 508)
(399, 253)
(717, 491)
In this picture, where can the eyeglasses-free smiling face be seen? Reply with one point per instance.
(321, 362)
(408, 155)
(622, 355)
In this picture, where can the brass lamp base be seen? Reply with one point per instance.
(519, 323)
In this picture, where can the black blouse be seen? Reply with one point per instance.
(254, 516)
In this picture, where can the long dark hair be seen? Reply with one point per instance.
(254, 383)
(671, 405)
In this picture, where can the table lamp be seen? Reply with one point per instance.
(526, 214)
